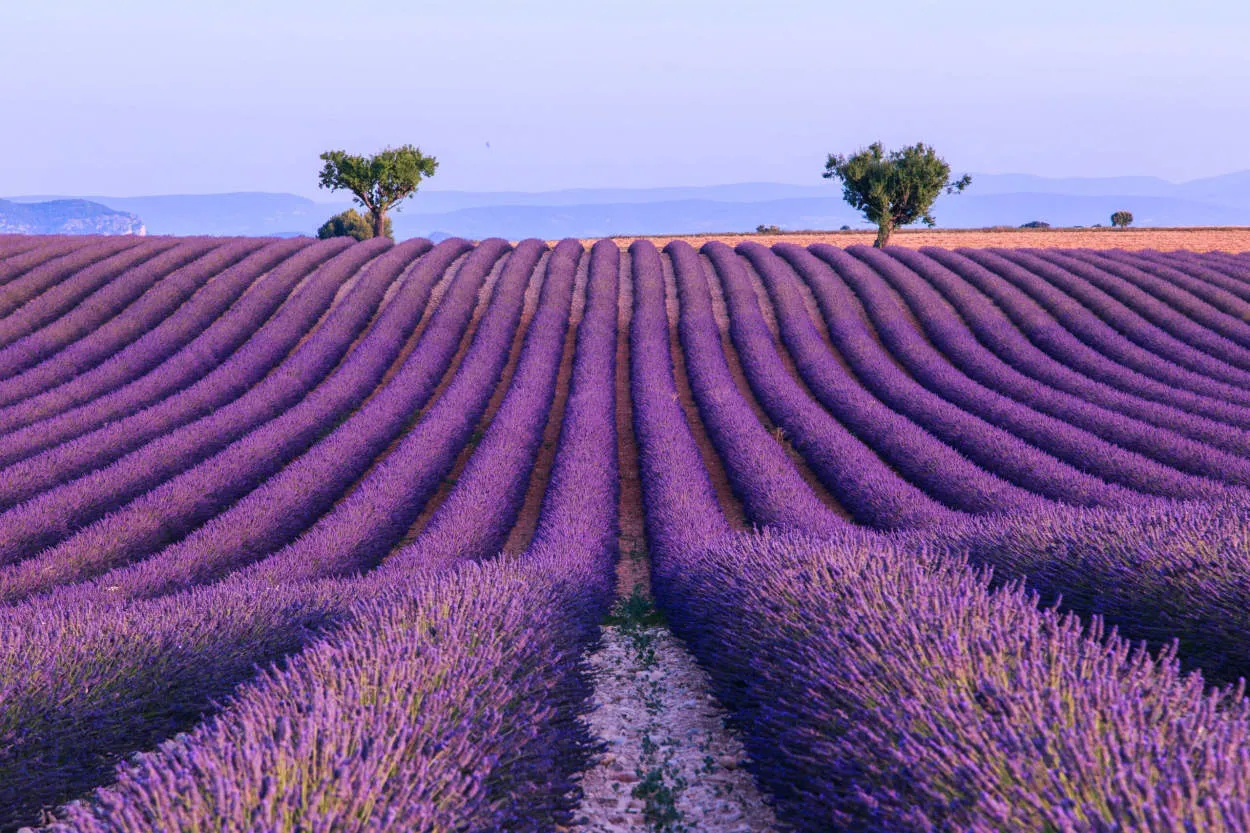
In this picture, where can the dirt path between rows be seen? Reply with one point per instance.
(670, 764)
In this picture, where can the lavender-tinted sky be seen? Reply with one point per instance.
(153, 96)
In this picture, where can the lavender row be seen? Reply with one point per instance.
(998, 333)
(952, 336)
(508, 771)
(54, 514)
(1157, 572)
(445, 703)
(1087, 285)
(288, 502)
(164, 361)
(682, 510)
(871, 491)
(87, 315)
(1194, 276)
(772, 491)
(12, 245)
(73, 289)
(1168, 306)
(912, 451)
(997, 450)
(1068, 443)
(94, 345)
(1061, 296)
(169, 511)
(291, 501)
(1236, 267)
(948, 705)
(579, 510)
(1028, 317)
(363, 526)
(85, 685)
(35, 272)
(577, 524)
(474, 520)
(23, 260)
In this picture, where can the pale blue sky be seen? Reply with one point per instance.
(159, 96)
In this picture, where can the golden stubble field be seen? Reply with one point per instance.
(1197, 239)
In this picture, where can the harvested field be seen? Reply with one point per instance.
(1196, 239)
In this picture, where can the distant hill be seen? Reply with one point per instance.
(993, 200)
(71, 216)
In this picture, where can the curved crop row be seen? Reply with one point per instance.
(1028, 317)
(1049, 286)
(170, 510)
(1167, 306)
(21, 259)
(947, 705)
(1000, 335)
(291, 501)
(873, 493)
(1065, 441)
(54, 514)
(507, 637)
(42, 274)
(154, 368)
(12, 245)
(1218, 273)
(959, 345)
(1200, 289)
(996, 449)
(770, 488)
(89, 314)
(476, 516)
(362, 528)
(912, 451)
(1097, 292)
(93, 344)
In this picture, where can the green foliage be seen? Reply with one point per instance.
(895, 189)
(1036, 224)
(351, 223)
(377, 182)
(1122, 219)
(763, 229)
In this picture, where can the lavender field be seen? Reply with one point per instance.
(303, 535)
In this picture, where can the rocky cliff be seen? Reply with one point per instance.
(66, 217)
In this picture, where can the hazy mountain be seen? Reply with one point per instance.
(992, 200)
(72, 216)
(246, 213)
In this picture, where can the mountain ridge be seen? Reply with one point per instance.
(993, 199)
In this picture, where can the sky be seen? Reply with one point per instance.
(135, 97)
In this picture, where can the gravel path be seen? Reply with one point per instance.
(670, 765)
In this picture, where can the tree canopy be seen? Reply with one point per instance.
(895, 189)
(377, 182)
(1122, 219)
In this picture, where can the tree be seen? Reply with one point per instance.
(351, 224)
(1122, 219)
(894, 190)
(379, 181)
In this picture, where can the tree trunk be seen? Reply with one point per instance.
(884, 228)
(379, 222)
